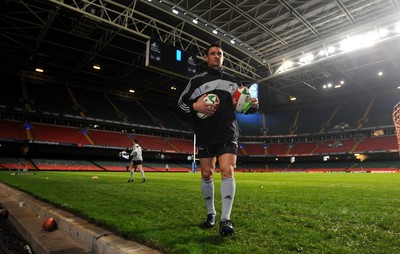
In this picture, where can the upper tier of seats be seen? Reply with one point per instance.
(369, 112)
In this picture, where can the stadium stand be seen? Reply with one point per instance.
(303, 148)
(12, 96)
(111, 165)
(280, 122)
(53, 133)
(289, 131)
(277, 149)
(12, 130)
(133, 110)
(348, 115)
(95, 104)
(109, 138)
(58, 102)
(252, 148)
(381, 165)
(155, 143)
(380, 113)
(65, 164)
(311, 120)
(163, 117)
(173, 167)
(182, 146)
(385, 143)
(336, 146)
(10, 163)
(250, 125)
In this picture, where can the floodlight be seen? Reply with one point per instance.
(397, 27)
(369, 39)
(383, 32)
(307, 58)
(351, 43)
(331, 49)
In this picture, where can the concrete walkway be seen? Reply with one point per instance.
(72, 236)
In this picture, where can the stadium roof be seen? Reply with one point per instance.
(291, 48)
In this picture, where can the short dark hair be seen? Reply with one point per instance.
(213, 45)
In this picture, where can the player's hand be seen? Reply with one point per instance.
(254, 102)
(203, 107)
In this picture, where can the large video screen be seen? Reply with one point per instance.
(169, 59)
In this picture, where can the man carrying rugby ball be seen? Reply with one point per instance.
(216, 134)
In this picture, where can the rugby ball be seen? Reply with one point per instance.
(3, 213)
(241, 99)
(212, 99)
(49, 224)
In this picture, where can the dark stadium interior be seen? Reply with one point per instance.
(67, 38)
(73, 111)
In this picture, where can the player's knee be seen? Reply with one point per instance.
(227, 172)
(207, 174)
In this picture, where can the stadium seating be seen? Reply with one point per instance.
(173, 167)
(348, 114)
(281, 125)
(64, 164)
(277, 149)
(111, 165)
(252, 148)
(109, 138)
(133, 110)
(182, 146)
(95, 104)
(60, 102)
(54, 133)
(10, 163)
(334, 147)
(12, 130)
(12, 96)
(381, 112)
(385, 143)
(303, 148)
(312, 120)
(155, 143)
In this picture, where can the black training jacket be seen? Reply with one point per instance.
(222, 126)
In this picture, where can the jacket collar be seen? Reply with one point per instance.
(214, 71)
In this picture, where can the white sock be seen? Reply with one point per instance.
(131, 171)
(228, 188)
(207, 188)
(142, 173)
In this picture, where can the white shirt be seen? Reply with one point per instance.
(136, 152)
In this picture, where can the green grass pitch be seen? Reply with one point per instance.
(272, 213)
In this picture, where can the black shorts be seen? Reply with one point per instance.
(135, 163)
(216, 150)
